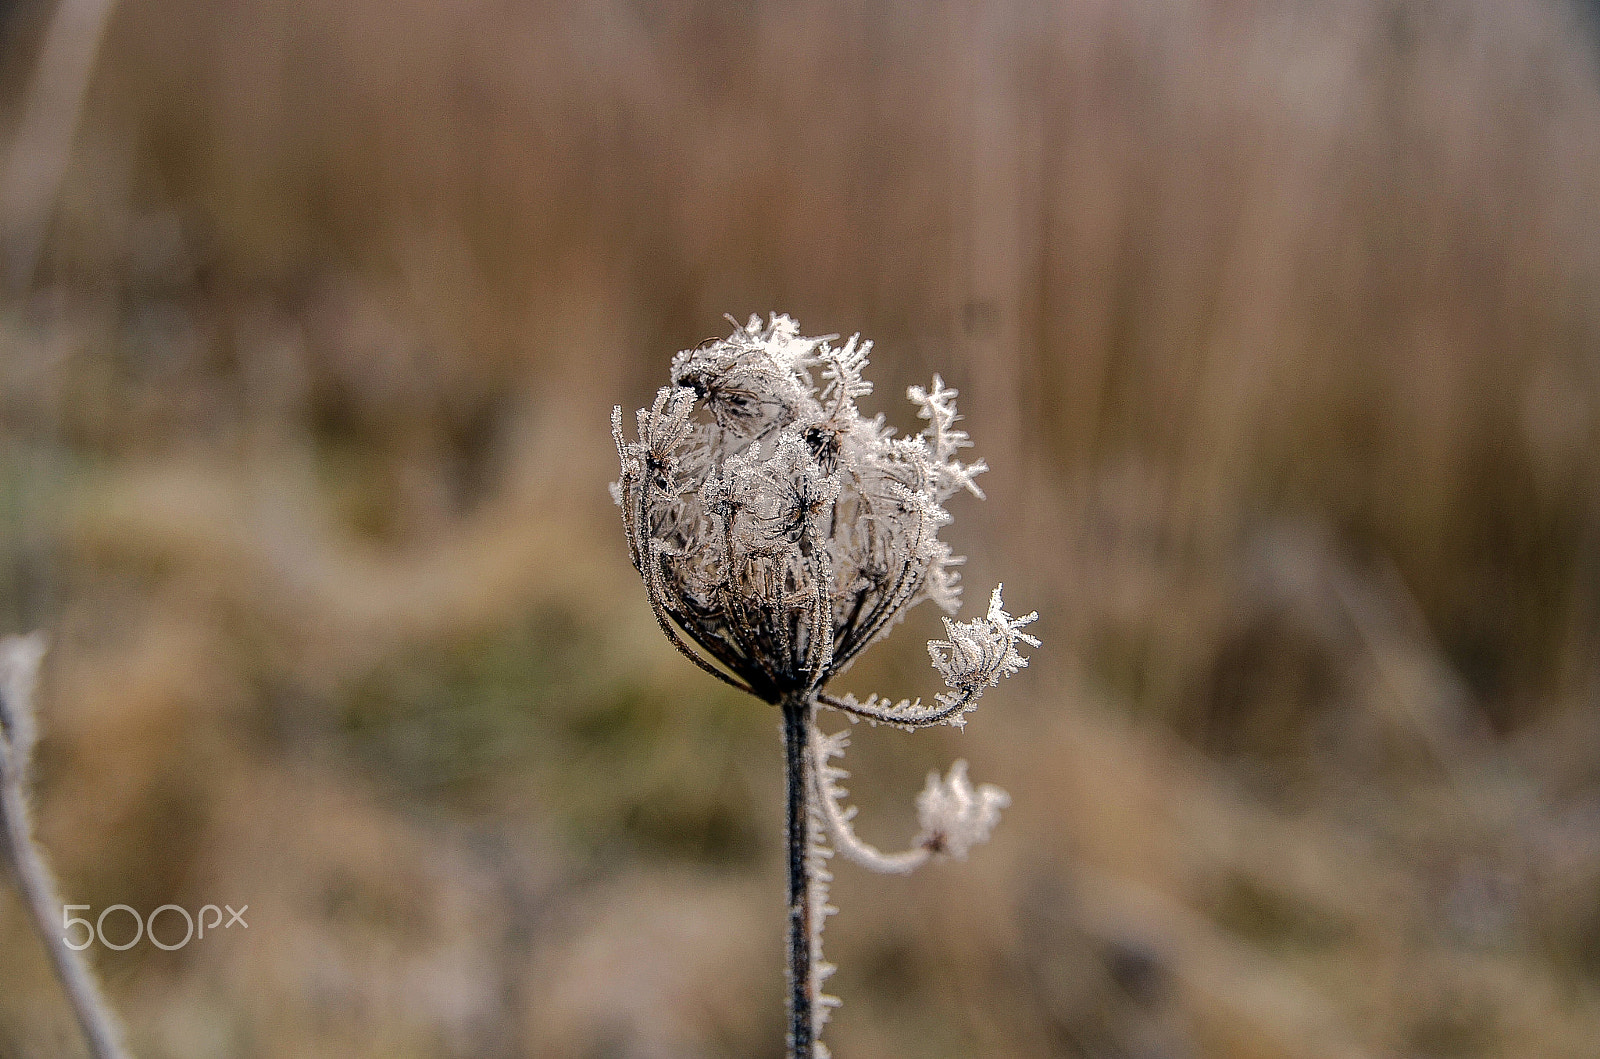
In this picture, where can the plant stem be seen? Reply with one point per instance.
(797, 712)
(39, 893)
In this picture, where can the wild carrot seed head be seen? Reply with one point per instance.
(776, 525)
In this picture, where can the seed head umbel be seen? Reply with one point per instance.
(780, 529)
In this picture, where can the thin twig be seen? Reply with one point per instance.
(19, 661)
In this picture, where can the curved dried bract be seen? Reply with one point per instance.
(955, 816)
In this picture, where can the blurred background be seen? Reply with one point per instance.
(1278, 321)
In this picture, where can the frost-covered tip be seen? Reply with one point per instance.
(954, 816)
(979, 652)
(19, 676)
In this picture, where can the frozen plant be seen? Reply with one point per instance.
(19, 673)
(779, 533)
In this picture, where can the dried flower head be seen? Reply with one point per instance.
(781, 532)
(776, 526)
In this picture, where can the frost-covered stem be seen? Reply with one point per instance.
(38, 889)
(797, 718)
(837, 819)
(911, 717)
(27, 859)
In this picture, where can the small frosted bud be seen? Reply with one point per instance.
(977, 653)
(954, 816)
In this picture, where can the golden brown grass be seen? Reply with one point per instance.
(1277, 322)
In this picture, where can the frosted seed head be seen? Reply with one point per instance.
(793, 531)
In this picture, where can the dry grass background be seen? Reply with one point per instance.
(1278, 320)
